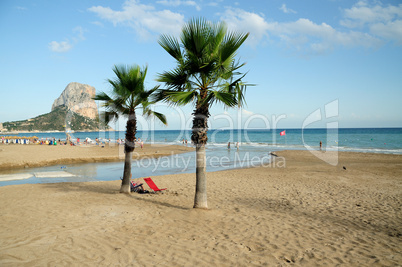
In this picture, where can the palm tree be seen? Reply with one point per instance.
(204, 74)
(128, 95)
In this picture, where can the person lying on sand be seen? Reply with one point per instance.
(137, 187)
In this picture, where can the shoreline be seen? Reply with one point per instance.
(15, 156)
(29, 156)
(307, 213)
(56, 131)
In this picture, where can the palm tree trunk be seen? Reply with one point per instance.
(199, 137)
(125, 184)
(200, 200)
(129, 146)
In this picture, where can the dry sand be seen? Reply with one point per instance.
(24, 156)
(305, 214)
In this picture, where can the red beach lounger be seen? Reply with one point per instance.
(152, 185)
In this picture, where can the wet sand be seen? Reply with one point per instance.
(306, 213)
(25, 156)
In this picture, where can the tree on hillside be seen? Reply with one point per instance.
(128, 95)
(204, 75)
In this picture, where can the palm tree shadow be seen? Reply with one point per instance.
(94, 187)
(109, 189)
(154, 200)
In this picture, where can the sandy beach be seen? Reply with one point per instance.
(26, 156)
(308, 213)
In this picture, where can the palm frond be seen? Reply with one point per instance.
(219, 31)
(180, 97)
(161, 117)
(238, 88)
(225, 98)
(175, 78)
(172, 46)
(207, 64)
(128, 92)
(119, 105)
(109, 116)
(158, 95)
(230, 46)
(240, 94)
(102, 96)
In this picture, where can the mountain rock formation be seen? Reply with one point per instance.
(77, 97)
(56, 120)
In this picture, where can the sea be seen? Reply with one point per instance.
(255, 148)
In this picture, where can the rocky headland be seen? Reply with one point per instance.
(74, 110)
(78, 97)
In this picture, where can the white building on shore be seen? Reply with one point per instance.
(2, 129)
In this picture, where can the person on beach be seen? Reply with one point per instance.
(142, 144)
(186, 142)
(229, 145)
(137, 186)
(320, 145)
(237, 145)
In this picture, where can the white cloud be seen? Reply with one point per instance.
(60, 47)
(179, 3)
(65, 46)
(246, 112)
(97, 23)
(21, 8)
(390, 30)
(362, 14)
(287, 10)
(143, 18)
(214, 4)
(302, 35)
(238, 19)
(381, 21)
(79, 31)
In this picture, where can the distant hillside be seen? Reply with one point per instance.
(55, 121)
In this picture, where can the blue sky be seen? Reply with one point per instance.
(301, 56)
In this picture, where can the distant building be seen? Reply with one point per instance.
(1, 128)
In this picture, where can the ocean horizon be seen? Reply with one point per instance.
(366, 140)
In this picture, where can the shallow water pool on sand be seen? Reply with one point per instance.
(218, 158)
